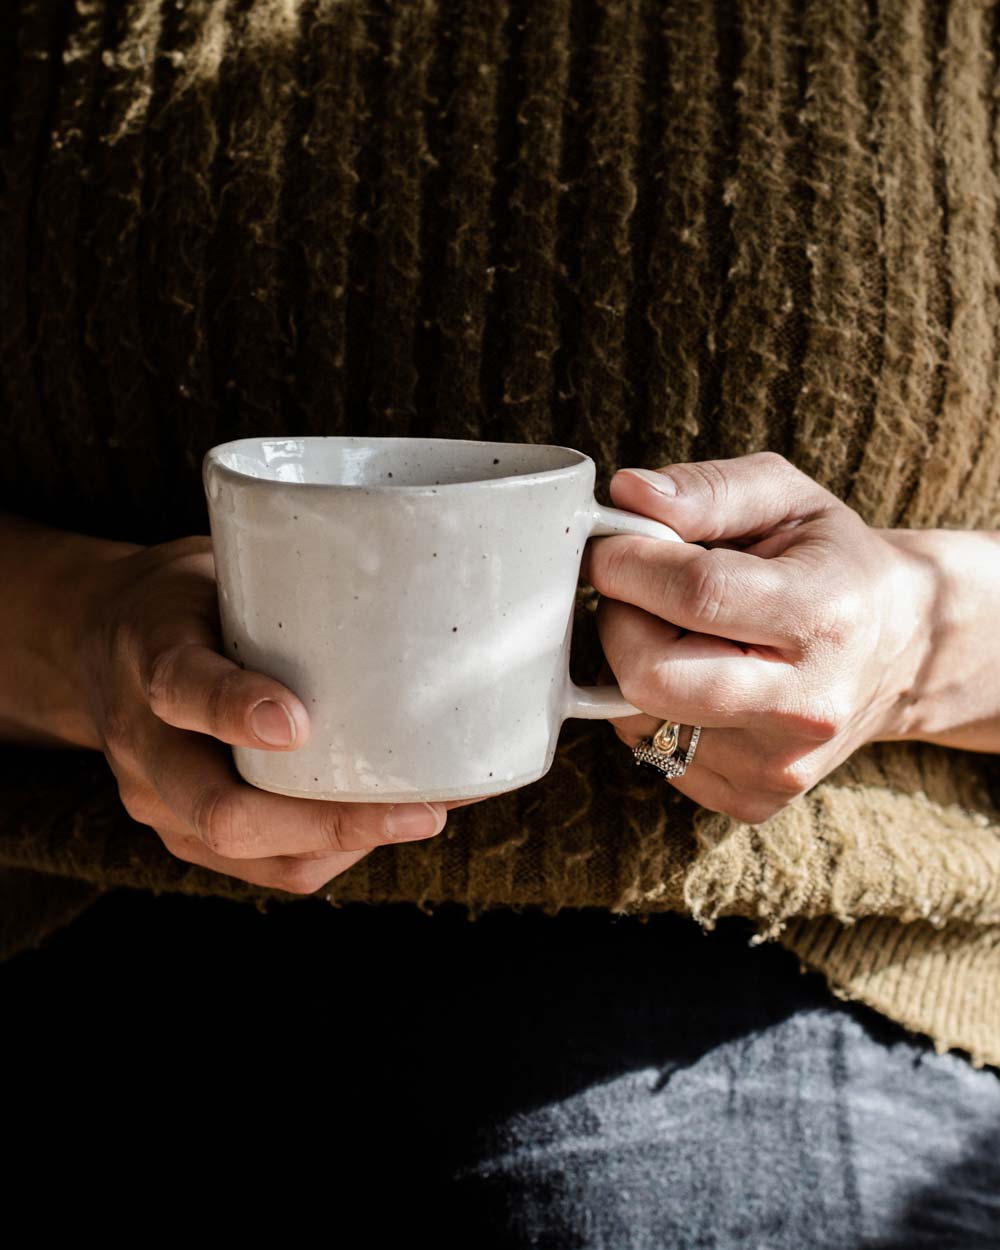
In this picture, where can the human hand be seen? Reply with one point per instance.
(793, 635)
(164, 701)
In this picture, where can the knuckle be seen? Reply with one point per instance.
(793, 485)
(637, 681)
(180, 847)
(611, 566)
(773, 460)
(822, 726)
(752, 810)
(140, 803)
(718, 802)
(219, 819)
(221, 708)
(703, 584)
(840, 619)
(301, 876)
(791, 477)
(120, 635)
(161, 689)
(119, 736)
(186, 545)
(707, 476)
(331, 827)
(821, 721)
(791, 778)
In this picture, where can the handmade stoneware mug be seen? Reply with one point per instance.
(417, 594)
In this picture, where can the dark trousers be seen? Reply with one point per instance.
(572, 1081)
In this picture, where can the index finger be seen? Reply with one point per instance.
(709, 500)
(729, 593)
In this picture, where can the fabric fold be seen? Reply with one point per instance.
(892, 893)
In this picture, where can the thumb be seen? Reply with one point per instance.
(712, 500)
(191, 686)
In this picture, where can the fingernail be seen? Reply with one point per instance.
(273, 724)
(659, 481)
(414, 820)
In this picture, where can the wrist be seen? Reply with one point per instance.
(48, 629)
(909, 592)
(946, 681)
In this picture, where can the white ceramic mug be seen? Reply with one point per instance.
(417, 594)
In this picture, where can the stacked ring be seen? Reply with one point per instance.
(662, 752)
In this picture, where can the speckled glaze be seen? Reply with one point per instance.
(417, 594)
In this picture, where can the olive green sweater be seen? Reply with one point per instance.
(652, 231)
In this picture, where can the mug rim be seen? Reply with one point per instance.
(212, 460)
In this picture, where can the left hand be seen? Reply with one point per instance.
(792, 634)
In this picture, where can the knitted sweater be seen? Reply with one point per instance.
(654, 232)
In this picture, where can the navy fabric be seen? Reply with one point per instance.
(522, 1080)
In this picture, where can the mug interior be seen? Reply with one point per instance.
(331, 460)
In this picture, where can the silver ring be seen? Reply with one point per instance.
(667, 761)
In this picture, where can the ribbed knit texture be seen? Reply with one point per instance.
(655, 232)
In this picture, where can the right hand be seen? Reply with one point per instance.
(164, 701)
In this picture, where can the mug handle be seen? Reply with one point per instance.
(607, 702)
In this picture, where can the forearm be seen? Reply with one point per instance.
(47, 580)
(953, 698)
